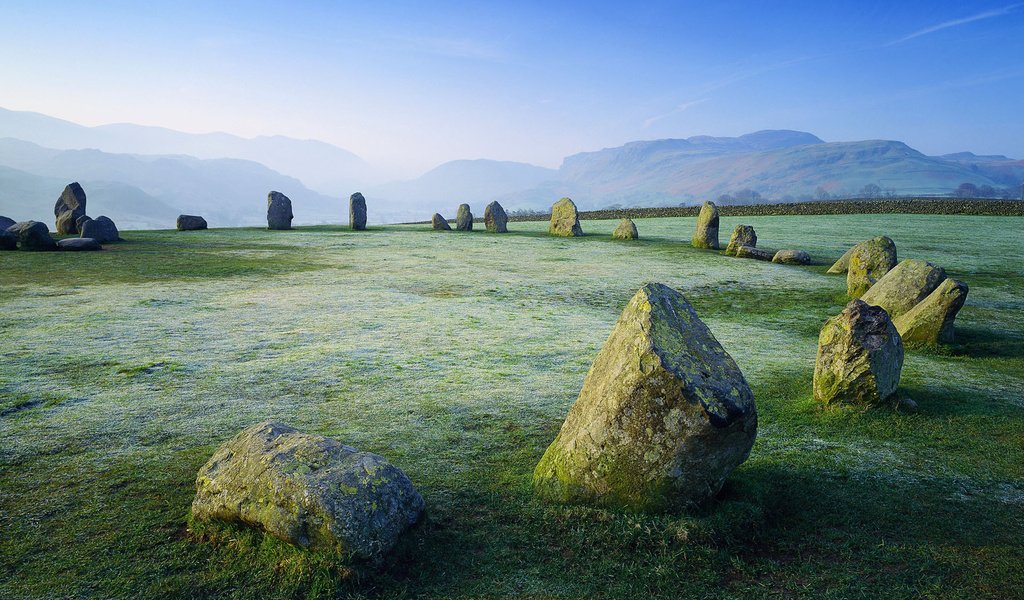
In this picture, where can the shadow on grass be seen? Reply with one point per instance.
(981, 342)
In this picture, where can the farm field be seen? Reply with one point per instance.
(456, 356)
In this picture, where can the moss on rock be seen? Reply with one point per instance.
(869, 261)
(902, 288)
(565, 219)
(626, 230)
(931, 321)
(706, 233)
(860, 357)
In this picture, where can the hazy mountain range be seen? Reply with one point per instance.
(145, 176)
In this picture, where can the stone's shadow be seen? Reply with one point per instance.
(980, 342)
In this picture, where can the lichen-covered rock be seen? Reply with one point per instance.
(279, 211)
(843, 264)
(357, 212)
(308, 490)
(626, 230)
(6, 222)
(72, 200)
(495, 219)
(33, 236)
(706, 233)
(101, 229)
(439, 223)
(67, 222)
(755, 253)
(903, 287)
(190, 223)
(565, 219)
(869, 261)
(8, 241)
(663, 417)
(860, 356)
(931, 320)
(79, 244)
(464, 218)
(743, 235)
(792, 257)
(840, 266)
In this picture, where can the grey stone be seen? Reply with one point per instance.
(755, 253)
(706, 233)
(357, 212)
(904, 286)
(931, 321)
(495, 219)
(8, 241)
(101, 229)
(6, 222)
(743, 235)
(72, 200)
(33, 236)
(439, 223)
(464, 218)
(279, 211)
(79, 244)
(869, 261)
(792, 257)
(190, 223)
(565, 219)
(626, 230)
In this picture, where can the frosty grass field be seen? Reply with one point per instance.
(456, 356)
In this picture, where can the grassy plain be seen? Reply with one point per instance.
(456, 356)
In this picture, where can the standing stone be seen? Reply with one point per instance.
(357, 212)
(931, 321)
(663, 417)
(80, 221)
(6, 222)
(565, 219)
(68, 224)
(439, 223)
(308, 490)
(279, 211)
(8, 241)
(743, 235)
(860, 356)
(868, 262)
(625, 231)
(792, 257)
(904, 286)
(755, 253)
(79, 244)
(101, 229)
(706, 233)
(72, 200)
(495, 219)
(190, 223)
(464, 218)
(33, 235)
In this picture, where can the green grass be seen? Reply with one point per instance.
(457, 356)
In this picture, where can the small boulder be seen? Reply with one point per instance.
(565, 219)
(931, 321)
(495, 219)
(464, 218)
(860, 356)
(792, 257)
(743, 235)
(8, 241)
(279, 211)
(903, 287)
(706, 233)
(869, 261)
(190, 223)
(33, 236)
(308, 490)
(6, 222)
(72, 200)
(439, 223)
(79, 244)
(755, 253)
(663, 417)
(626, 230)
(101, 229)
(357, 212)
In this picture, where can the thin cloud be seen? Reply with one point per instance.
(988, 14)
(675, 111)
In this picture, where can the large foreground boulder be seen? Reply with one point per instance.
(464, 218)
(792, 257)
(495, 219)
(663, 417)
(931, 321)
(190, 223)
(79, 244)
(8, 241)
(565, 219)
(6, 222)
(72, 200)
(439, 223)
(101, 229)
(755, 253)
(869, 261)
(309, 490)
(743, 235)
(357, 212)
(279, 211)
(860, 356)
(33, 236)
(706, 233)
(904, 286)
(626, 230)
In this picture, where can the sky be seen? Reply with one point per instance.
(407, 86)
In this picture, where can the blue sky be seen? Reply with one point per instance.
(410, 85)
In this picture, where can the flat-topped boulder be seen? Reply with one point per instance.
(190, 223)
(565, 219)
(792, 257)
(72, 200)
(439, 223)
(663, 417)
(869, 261)
(279, 211)
(931, 321)
(464, 218)
(357, 212)
(742, 235)
(626, 230)
(705, 235)
(904, 286)
(101, 229)
(860, 357)
(308, 490)
(6, 222)
(754, 253)
(495, 219)
(33, 236)
(79, 244)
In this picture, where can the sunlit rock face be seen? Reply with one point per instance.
(706, 233)
(565, 219)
